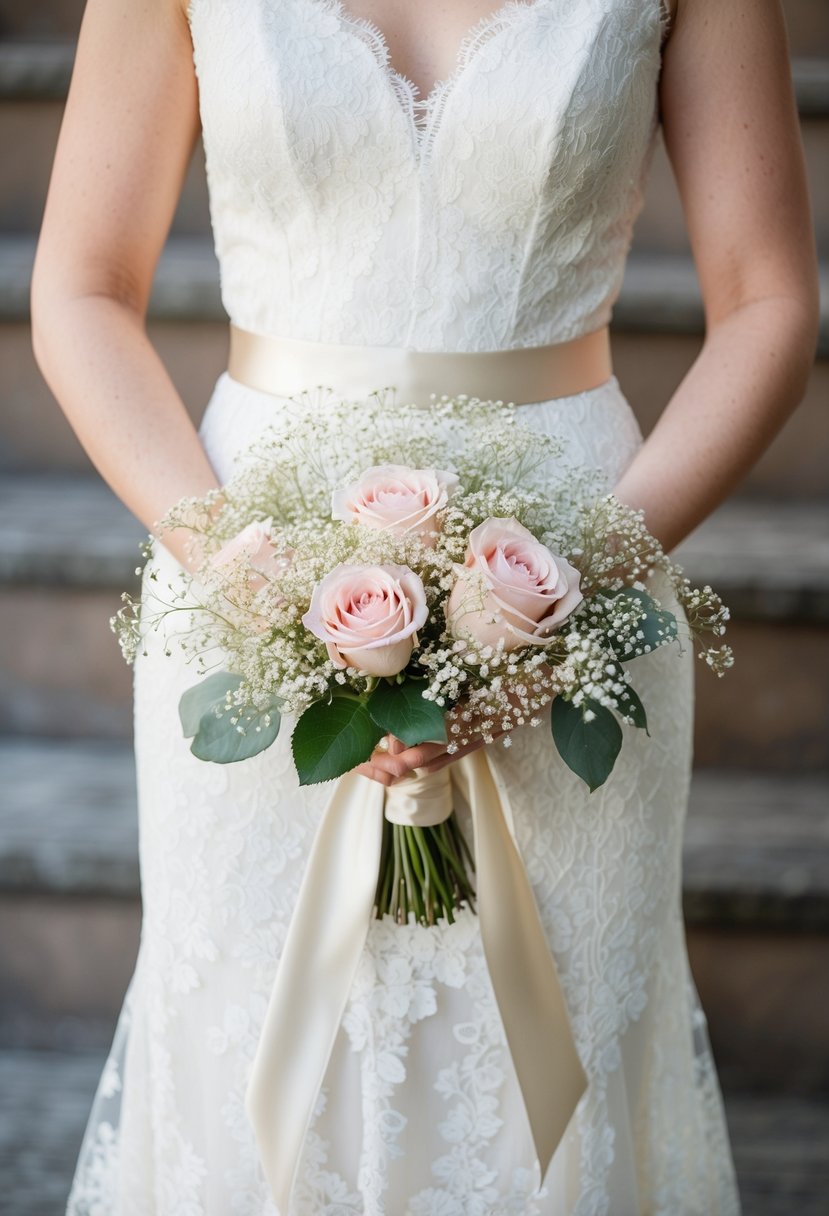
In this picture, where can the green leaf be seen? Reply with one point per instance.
(631, 704)
(197, 701)
(402, 710)
(215, 736)
(219, 739)
(588, 748)
(657, 625)
(332, 737)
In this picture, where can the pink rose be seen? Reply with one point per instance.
(368, 616)
(396, 499)
(254, 543)
(510, 587)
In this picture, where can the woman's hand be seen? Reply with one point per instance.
(391, 760)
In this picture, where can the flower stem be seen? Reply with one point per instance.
(424, 871)
(397, 878)
(410, 890)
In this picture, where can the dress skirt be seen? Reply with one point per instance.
(420, 1112)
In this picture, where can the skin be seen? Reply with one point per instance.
(732, 136)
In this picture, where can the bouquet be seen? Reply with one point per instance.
(438, 575)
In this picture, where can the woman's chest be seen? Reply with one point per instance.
(314, 80)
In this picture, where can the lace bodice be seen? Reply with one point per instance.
(496, 212)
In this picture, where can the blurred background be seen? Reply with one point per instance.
(757, 845)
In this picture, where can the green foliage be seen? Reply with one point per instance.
(656, 624)
(402, 710)
(631, 704)
(332, 737)
(221, 734)
(588, 748)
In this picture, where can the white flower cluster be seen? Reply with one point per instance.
(252, 608)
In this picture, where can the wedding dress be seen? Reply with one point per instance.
(497, 213)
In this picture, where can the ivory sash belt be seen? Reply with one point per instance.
(287, 366)
(327, 934)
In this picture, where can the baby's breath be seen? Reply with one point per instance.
(505, 469)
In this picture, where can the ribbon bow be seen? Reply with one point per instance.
(327, 934)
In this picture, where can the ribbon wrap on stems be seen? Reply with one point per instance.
(327, 935)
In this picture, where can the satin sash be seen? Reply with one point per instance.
(287, 366)
(327, 934)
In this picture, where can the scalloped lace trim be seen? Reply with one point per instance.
(425, 112)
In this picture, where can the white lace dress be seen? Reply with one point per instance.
(496, 214)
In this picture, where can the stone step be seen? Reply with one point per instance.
(61, 672)
(34, 77)
(756, 845)
(807, 23)
(778, 1141)
(657, 334)
(756, 901)
(68, 822)
(48, 19)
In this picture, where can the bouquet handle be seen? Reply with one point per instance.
(326, 937)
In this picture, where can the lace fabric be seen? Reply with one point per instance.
(503, 221)
(509, 228)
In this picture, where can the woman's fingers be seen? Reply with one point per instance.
(449, 758)
(374, 771)
(390, 766)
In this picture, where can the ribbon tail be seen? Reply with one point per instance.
(521, 967)
(325, 938)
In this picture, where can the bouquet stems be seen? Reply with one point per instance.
(424, 872)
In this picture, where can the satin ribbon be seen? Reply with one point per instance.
(521, 374)
(327, 935)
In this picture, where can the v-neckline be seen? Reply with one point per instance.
(424, 113)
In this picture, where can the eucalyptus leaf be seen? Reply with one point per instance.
(219, 738)
(588, 748)
(204, 697)
(205, 717)
(402, 710)
(333, 737)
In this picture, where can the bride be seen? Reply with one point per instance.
(394, 186)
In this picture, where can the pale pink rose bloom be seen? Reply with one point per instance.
(254, 543)
(395, 498)
(510, 587)
(368, 616)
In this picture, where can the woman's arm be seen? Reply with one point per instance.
(129, 128)
(732, 135)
